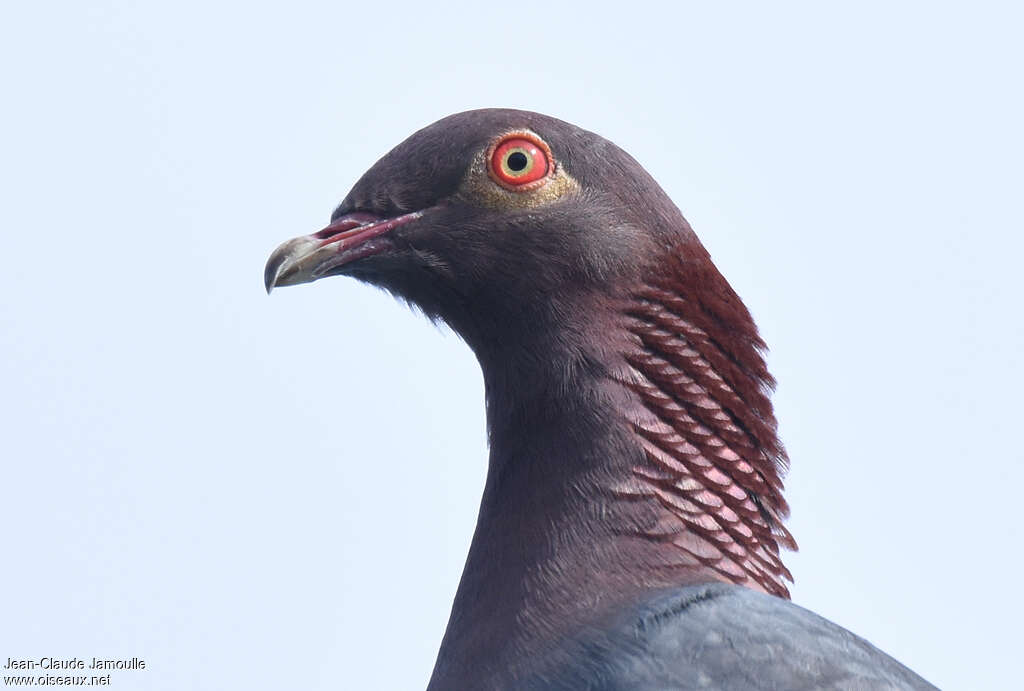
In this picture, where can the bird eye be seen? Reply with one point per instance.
(518, 160)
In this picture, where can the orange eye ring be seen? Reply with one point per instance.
(519, 161)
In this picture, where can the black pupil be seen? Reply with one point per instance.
(517, 161)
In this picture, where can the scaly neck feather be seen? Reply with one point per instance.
(632, 449)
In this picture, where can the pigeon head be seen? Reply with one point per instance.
(634, 455)
(628, 397)
(492, 218)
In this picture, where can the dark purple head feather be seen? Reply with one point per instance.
(633, 444)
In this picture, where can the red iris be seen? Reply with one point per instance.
(518, 160)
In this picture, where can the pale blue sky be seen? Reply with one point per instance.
(278, 493)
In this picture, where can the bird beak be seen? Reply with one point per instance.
(348, 238)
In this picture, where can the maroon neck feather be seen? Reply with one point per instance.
(714, 459)
(633, 448)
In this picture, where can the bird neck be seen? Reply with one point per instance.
(629, 453)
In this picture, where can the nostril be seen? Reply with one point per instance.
(347, 221)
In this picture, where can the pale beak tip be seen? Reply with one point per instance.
(270, 275)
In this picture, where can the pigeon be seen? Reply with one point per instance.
(631, 528)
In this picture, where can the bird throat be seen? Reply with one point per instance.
(633, 451)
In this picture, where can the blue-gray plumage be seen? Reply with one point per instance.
(719, 636)
(632, 524)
